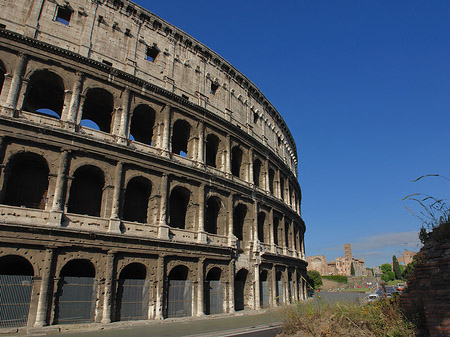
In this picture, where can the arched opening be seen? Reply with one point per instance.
(213, 292)
(26, 181)
(264, 289)
(282, 188)
(45, 94)
(142, 123)
(180, 137)
(179, 302)
(257, 172)
(2, 76)
(276, 226)
(271, 178)
(239, 290)
(212, 146)
(261, 223)
(287, 234)
(178, 205)
(290, 288)
(16, 284)
(98, 108)
(75, 298)
(86, 191)
(132, 293)
(137, 195)
(240, 211)
(236, 161)
(279, 288)
(212, 214)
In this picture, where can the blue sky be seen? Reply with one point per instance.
(364, 87)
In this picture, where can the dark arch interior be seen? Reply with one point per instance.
(275, 230)
(179, 273)
(136, 200)
(242, 275)
(135, 271)
(214, 274)
(178, 203)
(271, 178)
(27, 181)
(45, 94)
(86, 191)
(180, 137)
(212, 214)
(256, 172)
(236, 161)
(98, 108)
(15, 265)
(261, 221)
(2, 76)
(142, 124)
(239, 214)
(263, 276)
(212, 146)
(279, 276)
(78, 268)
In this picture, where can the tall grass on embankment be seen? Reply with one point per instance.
(380, 318)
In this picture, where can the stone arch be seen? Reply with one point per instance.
(271, 180)
(213, 209)
(241, 289)
(98, 109)
(181, 132)
(45, 94)
(86, 191)
(261, 227)
(239, 214)
(178, 206)
(179, 292)
(236, 161)
(212, 148)
(142, 123)
(26, 180)
(213, 291)
(132, 293)
(137, 194)
(16, 284)
(76, 295)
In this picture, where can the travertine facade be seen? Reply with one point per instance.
(136, 160)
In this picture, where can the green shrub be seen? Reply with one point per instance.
(314, 279)
(336, 278)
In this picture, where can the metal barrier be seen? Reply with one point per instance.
(179, 298)
(214, 297)
(132, 300)
(15, 296)
(264, 294)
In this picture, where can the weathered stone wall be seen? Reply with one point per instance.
(428, 291)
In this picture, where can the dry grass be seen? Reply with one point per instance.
(380, 318)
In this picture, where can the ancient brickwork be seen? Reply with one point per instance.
(137, 165)
(428, 290)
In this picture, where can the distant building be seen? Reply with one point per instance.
(407, 257)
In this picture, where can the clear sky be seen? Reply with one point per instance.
(364, 87)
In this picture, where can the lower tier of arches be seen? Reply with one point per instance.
(44, 283)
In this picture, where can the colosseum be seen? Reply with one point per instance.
(142, 176)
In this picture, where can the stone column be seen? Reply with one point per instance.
(79, 114)
(228, 155)
(267, 188)
(159, 288)
(255, 224)
(231, 287)
(61, 181)
(257, 288)
(271, 231)
(16, 83)
(231, 237)
(71, 116)
(274, 286)
(201, 143)
(200, 288)
(114, 221)
(295, 284)
(202, 236)
(124, 117)
(107, 300)
(165, 146)
(163, 228)
(44, 294)
(250, 166)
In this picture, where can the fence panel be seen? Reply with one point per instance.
(214, 297)
(179, 298)
(280, 291)
(15, 296)
(264, 290)
(132, 300)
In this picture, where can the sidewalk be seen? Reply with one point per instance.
(175, 327)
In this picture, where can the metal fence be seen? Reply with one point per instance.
(280, 291)
(15, 296)
(214, 297)
(179, 298)
(76, 300)
(132, 300)
(264, 294)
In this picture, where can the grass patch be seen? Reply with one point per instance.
(381, 318)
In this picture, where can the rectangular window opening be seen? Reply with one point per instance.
(63, 15)
(185, 97)
(151, 54)
(107, 63)
(214, 88)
